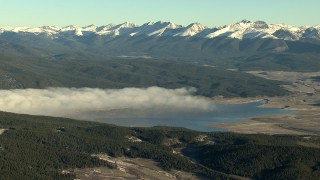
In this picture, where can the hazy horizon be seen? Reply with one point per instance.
(140, 24)
(211, 13)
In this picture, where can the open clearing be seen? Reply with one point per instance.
(2, 131)
(130, 168)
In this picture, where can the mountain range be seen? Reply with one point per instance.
(240, 30)
(157, 54)
(167, 40)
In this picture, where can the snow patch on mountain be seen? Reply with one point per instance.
(38, 30)
(156, 28)
(192, 30)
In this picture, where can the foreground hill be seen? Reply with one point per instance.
(37, 147)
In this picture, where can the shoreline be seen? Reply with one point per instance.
(306, 120)
(304, 99)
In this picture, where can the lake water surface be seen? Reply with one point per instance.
(200, 121)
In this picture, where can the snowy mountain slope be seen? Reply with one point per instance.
(240, 30)
(192, 30)
(156, 29)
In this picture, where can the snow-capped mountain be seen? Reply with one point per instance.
(163, 39)
(240, 30)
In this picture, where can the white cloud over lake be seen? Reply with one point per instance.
(70, 101)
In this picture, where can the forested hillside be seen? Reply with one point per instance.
(37, 147)
(84, 70)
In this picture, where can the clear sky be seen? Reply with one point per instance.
(208, 12)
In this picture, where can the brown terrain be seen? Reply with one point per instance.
(130, 168)
(304, 99)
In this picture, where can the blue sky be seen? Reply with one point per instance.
(184, 12)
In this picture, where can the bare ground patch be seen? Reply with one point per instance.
(130, 168)
(2, 131)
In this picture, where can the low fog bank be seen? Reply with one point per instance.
(69, 102)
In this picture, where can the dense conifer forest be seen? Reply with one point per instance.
(38, 147)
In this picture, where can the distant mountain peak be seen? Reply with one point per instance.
(196, 25)
(170, 25)
(260, 25)
(70, 27)
(128, 24)
(91, 26)
(192, 29)
(244, 21)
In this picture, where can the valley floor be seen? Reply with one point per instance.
(304, 100)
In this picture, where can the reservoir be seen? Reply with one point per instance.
(195, 120)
